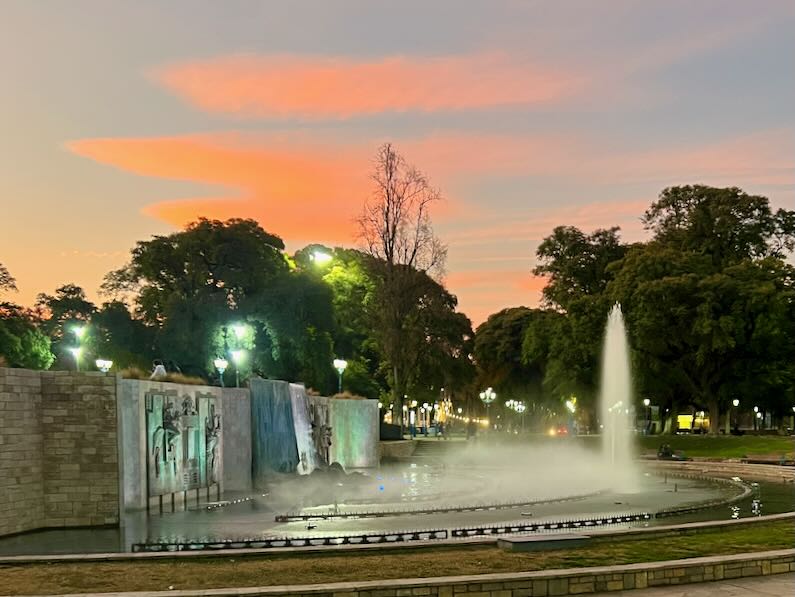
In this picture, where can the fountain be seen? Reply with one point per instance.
(615, 401)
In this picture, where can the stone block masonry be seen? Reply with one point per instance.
(21, 480)
(58, 450)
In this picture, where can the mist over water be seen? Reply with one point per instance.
(615, 404)
(493, 469)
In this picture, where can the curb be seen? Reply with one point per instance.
(522, 584)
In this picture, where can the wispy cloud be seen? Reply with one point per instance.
(304, 188)
(342, 87)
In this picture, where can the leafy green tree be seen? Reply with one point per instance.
(577, 266)
(396, 231)
(191, 283)
(709, 300)
(576, 263)
(725, 224)
(442, 340)
(498, 354)
(64, 318)
(295, 322)
(120, 337)
(22, 344)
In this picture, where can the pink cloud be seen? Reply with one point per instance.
(342, 87)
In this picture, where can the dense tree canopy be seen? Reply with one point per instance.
(708, 302)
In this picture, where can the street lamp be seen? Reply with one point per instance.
(238, 356)
(757, 415)
(340, 365)
(320, 257)
(488, 396)
(221, 364)
(520, 407)
(735, 404)
(240, 330)
(76, 350)
(647, 404)
(103, 365)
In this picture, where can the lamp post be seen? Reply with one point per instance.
(571, 406)
(221, 364)
(238, 356)
(103, 365)
(735, 404)
(79, 331)
(520, 407)
(757, 415)
(647, 404)
(340, 365)
(488, 396)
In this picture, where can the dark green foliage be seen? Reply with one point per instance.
(22, 343)
(709, 303)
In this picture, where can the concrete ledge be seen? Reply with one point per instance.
(714, 526)
(541, 542)
(545, 583)
(396, 449)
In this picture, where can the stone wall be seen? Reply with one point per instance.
(545, 583)
(21, 481)
(396, 449)
(236, 422)
(134, 467)
(80, 463)
(58, 450)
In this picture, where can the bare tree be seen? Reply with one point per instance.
(396, 232)
(7, 281)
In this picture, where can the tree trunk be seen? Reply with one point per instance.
(397, 399)
(714, 416)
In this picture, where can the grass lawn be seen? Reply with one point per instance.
(231, 571)
(722, 446)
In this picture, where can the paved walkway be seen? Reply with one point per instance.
(782, 585)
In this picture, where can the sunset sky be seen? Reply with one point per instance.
(120, 120)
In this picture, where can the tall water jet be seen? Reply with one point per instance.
(615, 403)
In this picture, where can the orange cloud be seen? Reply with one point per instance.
(298, 193)
(306, 188)
(341, 87)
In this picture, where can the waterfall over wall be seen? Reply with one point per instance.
(302, 421)
(274, 447)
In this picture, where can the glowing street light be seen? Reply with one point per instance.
(221, 364)
(735, 404)
(240, 330)
(340, 365)
(76, 350)
(647, 404)
(488, 396)
(103, 365)
(238, 356)
(320, 257)
(79, 331)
